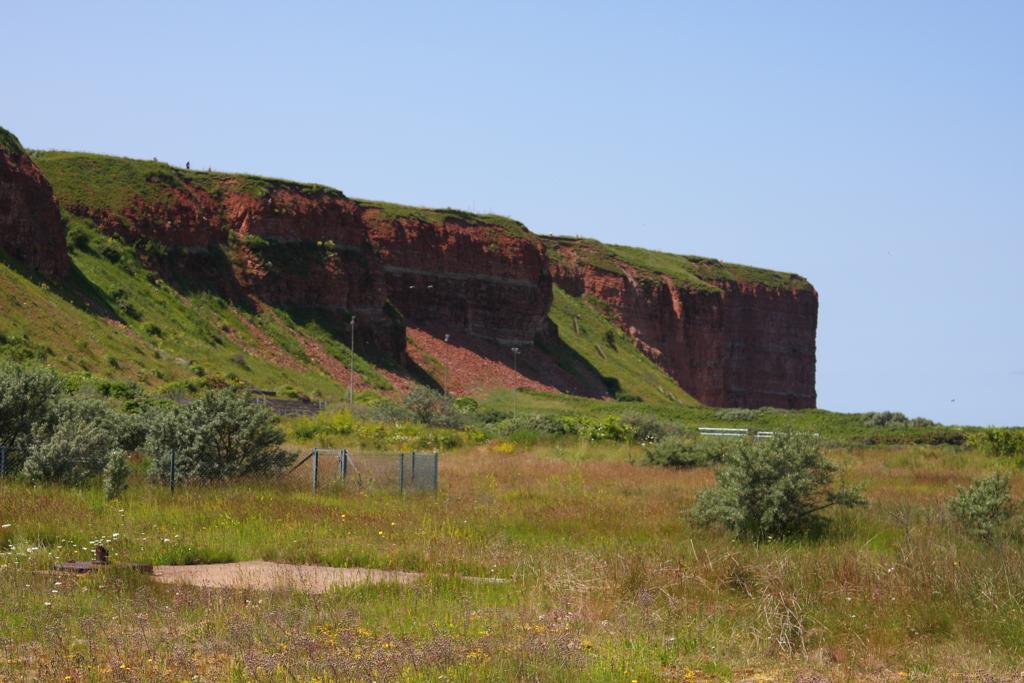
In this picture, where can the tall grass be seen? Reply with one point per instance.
(608, 579)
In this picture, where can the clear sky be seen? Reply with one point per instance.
(875, 147)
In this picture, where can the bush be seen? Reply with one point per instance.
(646, 428)
(221, 435)
(675, 451)
(738, 414)
(127, 431)
(431, 408)
(115, 475)
(1001, 442)
(27, 397)
(76, 451)
(889, 418)
(680, 451)
(539, 425)
(383, 410)
(984, 506)
(773, 488)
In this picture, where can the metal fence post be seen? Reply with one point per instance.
(412, 471)
(401, 472)
(316, 463)
(435, 470)
(174, 459)
(3, 461)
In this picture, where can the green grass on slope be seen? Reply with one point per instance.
(9, 142)
(687, 272)
(117, 319)
(391, 212)
(112, 183)
(606, 347)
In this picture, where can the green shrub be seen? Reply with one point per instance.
(889, 418)
(539, 425)
(221, 435)
(680, 451)
(467, 405)
(115, 475)
(127, 431)
(773, 488)
(738, 414)
(432, 408)
(383, 410)
(675, 451)
(27, 399)
(645, 427)
(985, 506)
(1001, 442)
(75, 451)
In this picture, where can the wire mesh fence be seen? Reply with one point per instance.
(326, 468)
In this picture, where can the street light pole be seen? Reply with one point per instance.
(352, 365)
(515, 393)
(446, 338)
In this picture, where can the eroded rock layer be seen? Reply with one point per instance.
(30, 224)
(729, 335)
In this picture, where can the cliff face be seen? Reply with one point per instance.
(728, 337)
(289, 245)
(448, 271)
(31, 229)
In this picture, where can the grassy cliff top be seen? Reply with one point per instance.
(687, 272)
(389, 211)
(111, 183)
(9, 142)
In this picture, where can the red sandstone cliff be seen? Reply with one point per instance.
(730, 343)
(448, 271)
(31, 229)
(294, 246)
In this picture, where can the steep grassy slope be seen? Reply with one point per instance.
(115, 318)
(591, 335)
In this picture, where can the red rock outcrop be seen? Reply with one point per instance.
(31, 229)
(448, 271)
(730, 344)
(294, 246)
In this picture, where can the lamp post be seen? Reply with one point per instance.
(352, 365)
(446, 338)
(515, 393)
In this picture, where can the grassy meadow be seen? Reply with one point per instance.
(608, 580)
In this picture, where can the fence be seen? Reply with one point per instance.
(334, 468)
(734, 433)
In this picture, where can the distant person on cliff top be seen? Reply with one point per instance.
(188, 165)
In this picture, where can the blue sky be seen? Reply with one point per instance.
(875, 147)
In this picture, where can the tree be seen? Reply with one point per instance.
(773, 488)
(222, 435)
